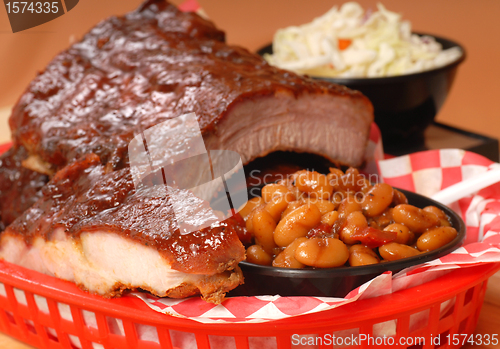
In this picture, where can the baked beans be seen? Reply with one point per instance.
(312, 220)
(362, 255)
(313, 184)
(286, 258)
(263, 230)
(435, 238)
(296, 224)
(322, 253)
(257, 255)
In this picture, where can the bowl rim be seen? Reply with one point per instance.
(389, 79)
(379, 268)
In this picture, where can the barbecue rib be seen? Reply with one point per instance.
(77, 118)
(133, 72)
(95, 229)
(19, 187)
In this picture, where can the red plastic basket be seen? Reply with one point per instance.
(47, 312)
(4, 147)
(50, 313)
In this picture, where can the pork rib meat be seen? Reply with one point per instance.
(19, 186)
(130, 73)
(95, 229)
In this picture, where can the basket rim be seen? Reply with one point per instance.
(346, 316)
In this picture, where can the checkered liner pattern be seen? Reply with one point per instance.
(423, 172)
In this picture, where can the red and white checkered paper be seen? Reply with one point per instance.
(425, 173)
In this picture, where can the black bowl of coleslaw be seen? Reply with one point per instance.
(404, 105)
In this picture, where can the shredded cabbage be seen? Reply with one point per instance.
(349, 42)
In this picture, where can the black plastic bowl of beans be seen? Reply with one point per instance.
(313, 234)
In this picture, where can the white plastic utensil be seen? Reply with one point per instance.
(467, 187)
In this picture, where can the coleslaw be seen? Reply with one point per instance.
(351, 43)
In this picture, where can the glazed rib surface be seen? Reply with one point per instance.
(133, 72)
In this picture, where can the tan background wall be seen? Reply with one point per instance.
(472, 103)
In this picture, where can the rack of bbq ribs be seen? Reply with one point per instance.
(68, 206)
